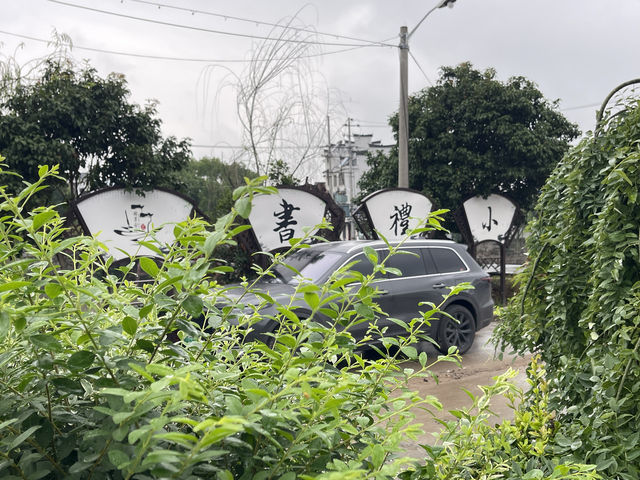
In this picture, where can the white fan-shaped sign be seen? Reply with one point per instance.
(121, 219)
(396, 212)
(278, 218)
(489, 218)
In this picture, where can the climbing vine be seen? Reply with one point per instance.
(579, 305)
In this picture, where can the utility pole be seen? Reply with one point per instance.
(352, 186)
(403, 111)
(329, 163)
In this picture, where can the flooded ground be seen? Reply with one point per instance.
(479, 366)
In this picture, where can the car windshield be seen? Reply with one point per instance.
(311, 263)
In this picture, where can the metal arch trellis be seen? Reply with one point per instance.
(601, 111)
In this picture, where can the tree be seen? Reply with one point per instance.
(210, 183)
(472, 135)
(283, 102)
(69, 115)
(280, 174)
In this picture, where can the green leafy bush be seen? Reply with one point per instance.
(579, 300)
(472, 448)
(103, 377)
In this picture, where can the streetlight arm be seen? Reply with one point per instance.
(443, 3)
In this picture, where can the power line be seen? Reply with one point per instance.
(255, 22)
(175, 59)
(420, 68)
(591, 105)
(245, 147)
(219, 32)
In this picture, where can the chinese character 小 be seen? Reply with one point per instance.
(487, 226)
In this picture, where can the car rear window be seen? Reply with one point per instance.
(447, 260)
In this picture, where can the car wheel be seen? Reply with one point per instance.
(457, 329)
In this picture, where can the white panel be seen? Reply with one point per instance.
(489, 218)
(120, 219)
(396, 212)
(277, 218)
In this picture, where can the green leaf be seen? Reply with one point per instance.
(138, 433)
(129, 325)
(158, 369)
(422, 358)
(239, 229)
(224, 475)
(144, 311)
(183, 439)
(534, 474)
(120, 433)
(46, 342)
(149, 266)
(13, 285)
(19, 440)
(43, 217)
(141, 371)
(118, 457)
(193, 305)
(243, 206)
(288, 476)
(19, 323)
(410, 352)
(6, 423)
(67, 385)
(212, 241)
(53, 290)
(371, 254)
(377, 456)
(151, 246)
(312, 299)
(81, 360)
(146, 345)
(5, 324)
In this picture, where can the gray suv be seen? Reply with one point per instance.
(433, 266)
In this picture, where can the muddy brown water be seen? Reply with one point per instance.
(479, 366)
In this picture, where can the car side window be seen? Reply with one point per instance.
(447, 260)
(362, 265)
(410, 264)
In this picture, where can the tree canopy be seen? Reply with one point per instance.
(472, 134)
(210, 183)
(71, 116)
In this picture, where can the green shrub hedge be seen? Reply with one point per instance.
(103, 377)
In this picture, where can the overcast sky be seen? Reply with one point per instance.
(576, 51)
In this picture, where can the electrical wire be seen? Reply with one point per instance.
(420, 68)
(238, 147)
(255, 22)
(208, 30)
(174, 59)
(579, 107)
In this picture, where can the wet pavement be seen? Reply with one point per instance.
(479, 366)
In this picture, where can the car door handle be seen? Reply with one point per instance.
(440, 285)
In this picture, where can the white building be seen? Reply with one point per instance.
(345, 163)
